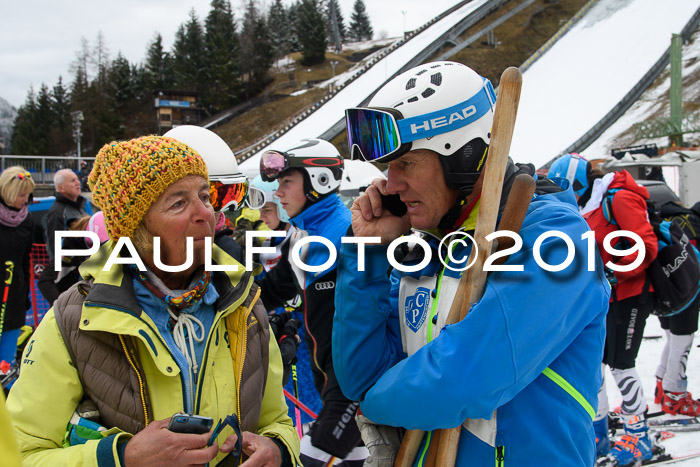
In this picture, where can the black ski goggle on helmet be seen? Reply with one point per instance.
(274, 163)
(383, 134)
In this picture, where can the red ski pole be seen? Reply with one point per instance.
(299, 404)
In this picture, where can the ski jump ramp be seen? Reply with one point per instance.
(589, 70)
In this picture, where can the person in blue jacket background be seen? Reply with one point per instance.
(523, 367)
(309, 172)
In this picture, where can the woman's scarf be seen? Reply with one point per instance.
(160, 290)
(12, 217)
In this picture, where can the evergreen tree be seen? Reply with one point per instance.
(158, 73)
(331, 7)
(121, 98)
(311, 31)
(44, 119)
(141, 119)
(26, 134)
(256, 49)
(60, 138)
(293, 26)
(279, 29)
(189, 55)
(80, 93)
(360, 27)
(221, 67)
(61, 105)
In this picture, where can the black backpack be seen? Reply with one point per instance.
(675, 273)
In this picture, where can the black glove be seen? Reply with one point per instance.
(289, 341)
(278, 321)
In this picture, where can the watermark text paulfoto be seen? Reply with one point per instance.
(450, 243)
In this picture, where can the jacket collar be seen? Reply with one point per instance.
(115, 289)
(310, 217)
(78, 203)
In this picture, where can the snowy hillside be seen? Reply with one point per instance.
(654, 103)
(586, 73)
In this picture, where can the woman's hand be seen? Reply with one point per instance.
(261, 450)
(155, 445)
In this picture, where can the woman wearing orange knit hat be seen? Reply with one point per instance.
(128, 347)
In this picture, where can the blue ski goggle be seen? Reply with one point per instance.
(383, 134)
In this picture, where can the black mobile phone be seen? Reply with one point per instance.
(186, 423)
(394, 205)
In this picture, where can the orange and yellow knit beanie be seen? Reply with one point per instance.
(129, 176)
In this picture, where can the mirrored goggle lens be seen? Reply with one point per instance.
(272, 164)
(227, 195)
(372, 134)
(256, 198)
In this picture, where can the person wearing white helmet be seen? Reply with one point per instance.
(227, 185)
(309, 172)
(262, 197)
(577, 171)
(524, 365)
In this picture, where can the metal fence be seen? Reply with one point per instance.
(42, 168)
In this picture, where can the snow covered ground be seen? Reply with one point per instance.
(681, 443)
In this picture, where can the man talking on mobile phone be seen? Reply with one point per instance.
(523, 365)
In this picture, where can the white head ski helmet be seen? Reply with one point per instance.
(319, 160)
(439, 91)
(229, 186)
(262, 193)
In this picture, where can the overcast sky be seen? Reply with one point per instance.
(39, 38)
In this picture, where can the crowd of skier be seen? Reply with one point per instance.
(141, 355)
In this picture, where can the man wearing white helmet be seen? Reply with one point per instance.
(309, 174)
(228, 186)
(529, 350)
(577, 171)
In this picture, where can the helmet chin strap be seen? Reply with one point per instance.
(450, 218)
(461, 171)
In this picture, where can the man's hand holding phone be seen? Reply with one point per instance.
(377, 213)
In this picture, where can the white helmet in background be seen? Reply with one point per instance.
(262, 193)
(229, 186)
(445, 107)
(318, 159)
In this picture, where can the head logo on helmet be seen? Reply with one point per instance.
(444, 107)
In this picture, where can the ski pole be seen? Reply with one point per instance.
(297, 413)
(9, 270)
(300, 404)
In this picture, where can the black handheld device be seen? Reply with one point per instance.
(394, 205)
(186, 423)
